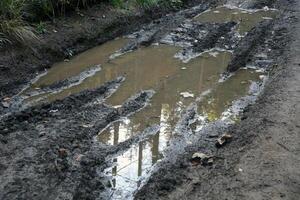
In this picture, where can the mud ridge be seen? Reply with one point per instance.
(255, 37)
(54, 141)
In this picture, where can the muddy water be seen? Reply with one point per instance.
(201, 74)
(213, 105)
(69, 68)
(193, 78)
(246, 19)
(142, 69)
(176, 84)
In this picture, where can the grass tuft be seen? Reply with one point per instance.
(15, 15)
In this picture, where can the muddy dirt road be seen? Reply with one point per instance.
(199, 103)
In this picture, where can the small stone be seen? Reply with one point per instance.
(266, 8)
(210, 161)
(86, 125)
(187, 95)
(261, 77)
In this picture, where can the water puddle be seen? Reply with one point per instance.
(71, 68)
(194, 78)
(246, 19)
(142, 69)
(92, 57)
(215, 103)
(176, 84)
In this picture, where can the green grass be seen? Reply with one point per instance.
(13, 29)
(17, 15)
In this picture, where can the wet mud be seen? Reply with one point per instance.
(121, 120)
(177, 178)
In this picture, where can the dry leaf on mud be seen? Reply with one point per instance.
(201, 158)
(221, 141)
(6, 99)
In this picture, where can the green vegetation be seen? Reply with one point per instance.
(13, 29)
(17, 15)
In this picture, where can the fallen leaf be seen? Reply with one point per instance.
(223, 139)
(201, 158)
(6, 99)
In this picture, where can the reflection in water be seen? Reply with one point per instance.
(202, 73)
(167, 103)
(152, 67)
(143, 69)
(247, 19)
(134, 165)
(222, 96)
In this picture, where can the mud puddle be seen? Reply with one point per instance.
(93, 67)
(246, 19)
(194, 79)
(172, 94)
(176, 84)
(50, 86)
(142, 69)
(216, 104)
